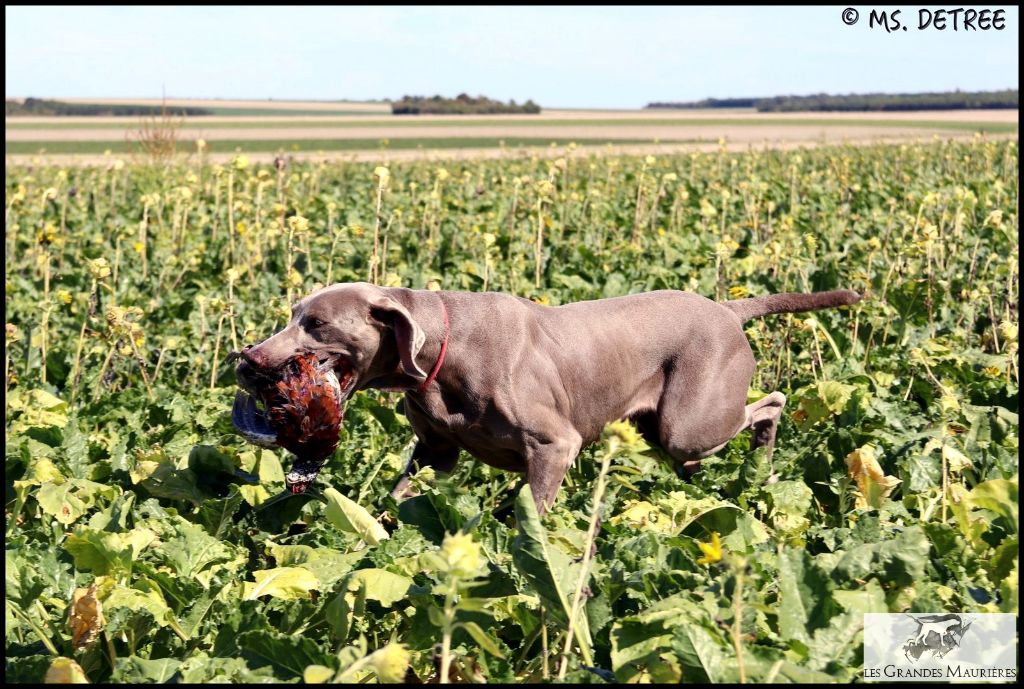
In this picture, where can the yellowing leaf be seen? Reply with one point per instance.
(350, 516)
(286, 583)
(65, 671)
(391, 662)
(642, 514)
(874, 486)
(317, 674)
(835, 395)
(85, 618)
(956, 461)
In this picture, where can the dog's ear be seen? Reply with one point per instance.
(409, 336)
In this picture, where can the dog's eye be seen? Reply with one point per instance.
(313, 323)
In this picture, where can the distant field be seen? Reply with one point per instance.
(286, 145)
(271, 126)
(368, 120)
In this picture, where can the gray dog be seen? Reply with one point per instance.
(524, 387)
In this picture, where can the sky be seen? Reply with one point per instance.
(575, 57)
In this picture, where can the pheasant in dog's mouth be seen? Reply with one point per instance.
(303, 406)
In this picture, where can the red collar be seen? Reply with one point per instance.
(440, 357)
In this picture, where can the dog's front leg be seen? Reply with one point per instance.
(546, 466)
(439, 457)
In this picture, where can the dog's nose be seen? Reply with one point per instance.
(254, 357)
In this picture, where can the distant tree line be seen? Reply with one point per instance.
(822, 102)
(42, 106)
(462, 104)
(708, 103)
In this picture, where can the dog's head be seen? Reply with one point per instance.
(363, 330)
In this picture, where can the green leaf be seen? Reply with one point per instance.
(789, 502)
(71, 499)
(999, 496)
(899, 561)
(289, 656)
(383, 586)
(286, 583)
(135, 670)
(163, 480)
(871, 598)
(193, 549)
(700, 652)
(486, 642)
(804, 593)
(351, 517)
(102, 552)
(216, 515)
(150, 601)
(546, 568)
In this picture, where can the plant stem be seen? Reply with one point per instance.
(216, 352)
(539, 248)
(446, 632)
(737, 611)
(581, 580)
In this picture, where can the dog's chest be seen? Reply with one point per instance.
(481, 428)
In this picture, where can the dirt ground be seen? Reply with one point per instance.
(384, 157)
(734, 132)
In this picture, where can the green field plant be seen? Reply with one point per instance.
(147, 542)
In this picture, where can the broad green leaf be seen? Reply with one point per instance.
(193, 550)
(72, 498)
(351, 517)
(270, 468)
(546, 568)
(804, 595)
(480, 636)
(999, 496)
(216, 514)
(1009, 590)
(383, 586)
(833, 649)
(133, 599)
(789, 502)
(200, 668)
(102, 552)
(286, 583)
(289, 656)
(163, 480)
(871, 598)
(136, 670)
(700, 653)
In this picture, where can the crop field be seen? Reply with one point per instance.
(147, 542)
(314, 130)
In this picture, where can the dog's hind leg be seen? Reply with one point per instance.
(763, 420)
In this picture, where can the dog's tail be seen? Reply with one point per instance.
(790, 302)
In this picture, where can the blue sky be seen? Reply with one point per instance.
(615, 57)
